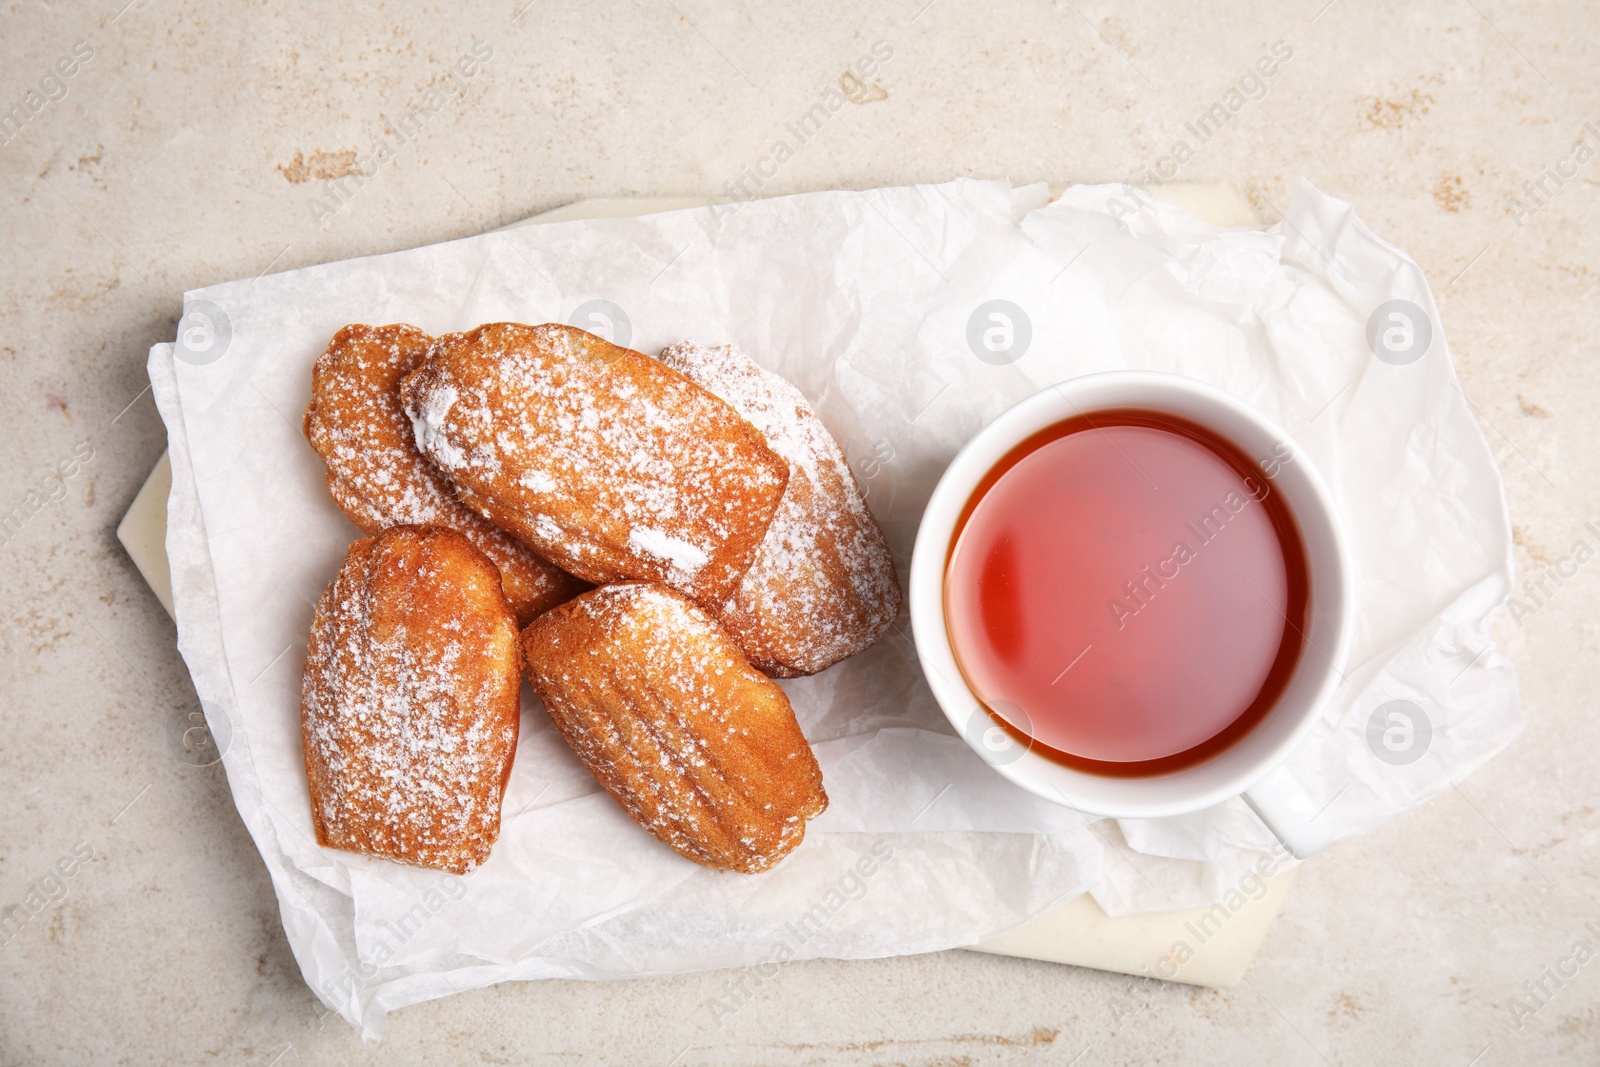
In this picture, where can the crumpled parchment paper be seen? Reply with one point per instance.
(875, 304)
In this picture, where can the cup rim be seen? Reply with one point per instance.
(1210, 782)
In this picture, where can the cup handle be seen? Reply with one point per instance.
(1289, 813)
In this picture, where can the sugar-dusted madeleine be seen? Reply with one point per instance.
(823, 585)
(699, 747)
(601, 459)
(408, 703)
(356, 423)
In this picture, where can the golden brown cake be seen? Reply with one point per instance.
(700, 748)
(601, 459)
(378, 478)
(823, 584)
(408, 703)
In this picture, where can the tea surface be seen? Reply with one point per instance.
(1128, 592)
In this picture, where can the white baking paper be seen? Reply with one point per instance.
(864, 300)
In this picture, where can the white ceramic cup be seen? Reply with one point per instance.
(1251, 767)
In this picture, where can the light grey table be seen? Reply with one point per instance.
(195, 143)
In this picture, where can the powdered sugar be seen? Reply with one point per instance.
(684, 557)
(538, 481)
(427, 423)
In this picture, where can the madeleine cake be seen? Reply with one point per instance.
(699, 747)
(408, 703)
(823, 585)
(601, 459)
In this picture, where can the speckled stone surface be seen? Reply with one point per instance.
(189, 148)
